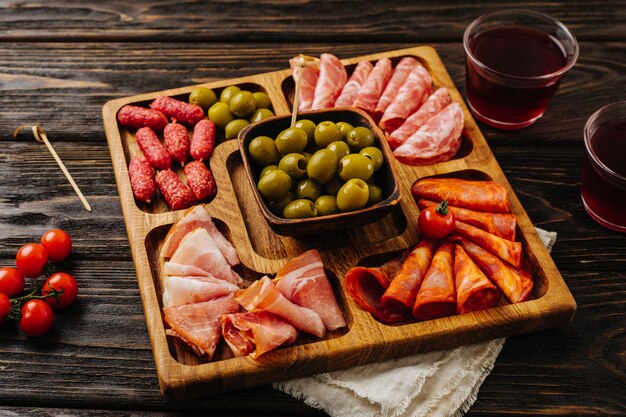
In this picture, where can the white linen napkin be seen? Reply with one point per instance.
(443, 383)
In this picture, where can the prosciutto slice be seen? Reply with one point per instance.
(354, 84)
(332, 78)
(199, 250)
(436, 102)
(507, 250)
(262, 295)
(436, 141)
(437, 295)
(374, 86)
(198, 325)
(192, 219)
(256, 333)
(310, 76)
(399, 76)
(303, 281)
(410, 96)
(475, 195)
(474, 291)
(188, 290)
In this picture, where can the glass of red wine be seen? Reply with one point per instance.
(515, 61)
(603, 183)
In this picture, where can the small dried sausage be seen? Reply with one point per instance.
(138, 117)
(203, 140)
(142, 179)
(185, 113)
(153, 149)
(176, 194)
(176, 142)
(200, 180)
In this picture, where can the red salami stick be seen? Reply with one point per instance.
(142, 179)
(476, 195)
(507, 250)
(474, 291)
(498, 224)
(138, 117)
(185, 113)
(203, 140)
(403, 289)
(200, 180)
(153, 149)
(515, 284)
(176, 194)
(176, 142)
(437, 295)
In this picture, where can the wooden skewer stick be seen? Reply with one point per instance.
(302, 62)
(40, 136)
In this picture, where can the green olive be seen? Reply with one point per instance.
(220, 114)
(309, 127)
(228, 93)
(344, 128)
(267, 169)
(277, 206)
(262, 100)
(359, 138)
(242, 104)
(261, 114)
(355, 166)
(203, 97)
(263, 151)
(291, 140)
(339, 148)
(326, 204)
(293, 164)
(233, 128)
(322, 166)
(332, 187)
(308, 188)
(353, 195)
(274, 185)
(299, 209)
(375, 154)
(376, 194)
(326, 133)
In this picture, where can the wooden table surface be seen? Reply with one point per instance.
(61, 61)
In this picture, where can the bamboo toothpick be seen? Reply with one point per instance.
(302, 62)
(40, 136)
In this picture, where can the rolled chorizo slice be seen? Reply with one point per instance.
(475, 195)
(515, 284)
(437, 296)
(354, 84)
(409, 98)
(474, 291)
(507, 250)
(403, 289)
(373, 88)
(499, 224)
(398, 77)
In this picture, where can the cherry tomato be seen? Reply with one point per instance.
(58, 281)
(436, 222)
(36, 318)
(5, 306)
(31, 259)
(58, 244)
(11, 281)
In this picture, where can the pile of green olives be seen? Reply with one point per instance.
(235, 108)
(314, 170)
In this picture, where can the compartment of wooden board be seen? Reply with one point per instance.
(261, 251)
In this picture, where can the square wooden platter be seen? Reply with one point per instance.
(237, 215)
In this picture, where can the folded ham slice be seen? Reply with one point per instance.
(411, 95)
(374, 86)
(354, 84)
(310, 76)
(192, 219)
(507, 250)
(399, 76)
(256, 333)
(475, 195)
(332, 78)
(474, 291)
(303, 281)
(199, 250)
(198, 325)
(262, 295)
(188, 290)
(437, 295)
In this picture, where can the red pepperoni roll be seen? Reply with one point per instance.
(138, 117)
(200, 180)
(153, 149)
(507, 250)
(176, 194)
(354, 84)
(403, 289)
(409, 98)
(185, 113)
(474, 291)
(437, 295)
(142, 179)
(374, 86)
(176, 142)
(515, 284)
(203, 140)
(399, 76)
(475, 195)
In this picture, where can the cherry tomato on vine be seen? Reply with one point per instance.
(11, 281)
(31, 259)
(436, 222)
(36, 318)
(5, 306)
(60, 281)
(58, 244)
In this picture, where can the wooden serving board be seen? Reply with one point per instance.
(261, 251)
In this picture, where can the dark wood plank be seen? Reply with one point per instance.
(272, 20)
